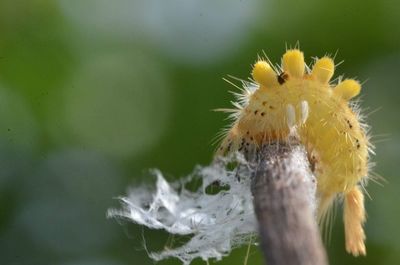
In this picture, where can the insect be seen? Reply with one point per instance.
(293, 98)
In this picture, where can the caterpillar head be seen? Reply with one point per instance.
(294, 69)
(284, 97)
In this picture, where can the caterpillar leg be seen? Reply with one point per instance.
(354, 218)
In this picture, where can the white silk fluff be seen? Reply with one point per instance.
(216, 223)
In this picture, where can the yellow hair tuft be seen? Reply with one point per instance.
(348, 89)
(293, 63)
(323, 69)
(264, 74)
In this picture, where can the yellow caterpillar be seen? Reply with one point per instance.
(296, 99)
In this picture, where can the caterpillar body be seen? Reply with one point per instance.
(294, 99)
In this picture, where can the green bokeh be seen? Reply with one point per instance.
(155, 71)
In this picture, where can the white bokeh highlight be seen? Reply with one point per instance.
(187, 31)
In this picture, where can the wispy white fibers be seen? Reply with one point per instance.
(216, 223)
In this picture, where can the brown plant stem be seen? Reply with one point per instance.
(284, 189)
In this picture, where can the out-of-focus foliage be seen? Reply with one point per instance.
(92, 93)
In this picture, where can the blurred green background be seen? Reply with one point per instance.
(93, 93)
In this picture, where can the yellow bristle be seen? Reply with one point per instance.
(264, 74)
(293, 63)
(323, 69)
(347, 89)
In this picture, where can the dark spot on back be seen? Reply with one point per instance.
(313, 162)
(282, 78)
(349, 123)
(358, 144)
(229, 147)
